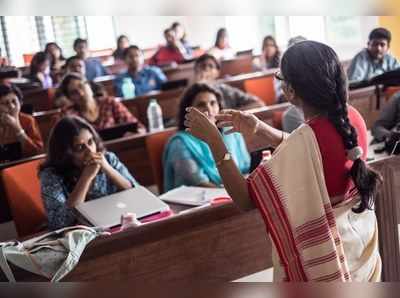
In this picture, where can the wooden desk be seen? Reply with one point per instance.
(238, 80)
(239, 65)
(168, 100)
(213, 244)
(46, 121)
(365, 101)
(179, 72)
(39, 99)
(107, 82)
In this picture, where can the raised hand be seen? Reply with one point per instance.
(200, 126)
(238, 121)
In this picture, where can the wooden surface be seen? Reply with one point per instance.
(217, 243)
(387, 211)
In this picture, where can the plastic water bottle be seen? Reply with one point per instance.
(154, 116)
(128, 88)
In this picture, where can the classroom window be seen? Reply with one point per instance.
(66, 29)
(311, 27)
(247, 32)
(100, 31)
(22, 38)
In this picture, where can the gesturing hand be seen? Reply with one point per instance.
(238, 121)
(200, 126)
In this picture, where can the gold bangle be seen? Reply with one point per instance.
(227, 156)
(256, 127)
(283, 137)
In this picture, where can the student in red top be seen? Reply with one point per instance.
(172, 52)
(17, 127)
(316, 194)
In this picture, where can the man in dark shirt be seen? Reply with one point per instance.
(389, 118)
(207, 69)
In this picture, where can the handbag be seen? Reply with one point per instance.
(52, 255)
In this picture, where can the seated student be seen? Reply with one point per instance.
(270, 56)
(221, 49)
(73, 64)
(145, 78)
(57, 60)
(181, 36)
(17, 127)
(101, 112)
(188, 160)
(375, 59)
(173, 52)
(389, 119)
(78, 169)
(93, 66)
(122, 44)
(39, 70)
(207, 69)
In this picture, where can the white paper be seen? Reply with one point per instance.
(193, 196)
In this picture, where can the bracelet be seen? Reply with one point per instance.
(283, 137)
(227, 156)
(256, 127)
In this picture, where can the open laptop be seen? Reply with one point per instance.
(10, 152)
(117, 131)
(106, 212)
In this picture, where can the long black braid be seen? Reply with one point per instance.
(314, 71)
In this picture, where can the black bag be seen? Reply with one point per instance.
(392, 144)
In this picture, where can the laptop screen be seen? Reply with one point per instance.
(10, 152)
(118, 131)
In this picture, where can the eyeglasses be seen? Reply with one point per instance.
(279, 76)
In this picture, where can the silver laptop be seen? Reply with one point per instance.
(106, 212)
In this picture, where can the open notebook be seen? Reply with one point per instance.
(193, 196)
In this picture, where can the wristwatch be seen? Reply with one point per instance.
(227, 156)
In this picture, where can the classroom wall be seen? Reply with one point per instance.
(392, 23)
(147, 31)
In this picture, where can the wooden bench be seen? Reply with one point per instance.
(217, 243)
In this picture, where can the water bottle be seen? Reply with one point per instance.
(128, 88)
(154, 116)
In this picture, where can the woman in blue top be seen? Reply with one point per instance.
(77, 169)
(188, 160)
